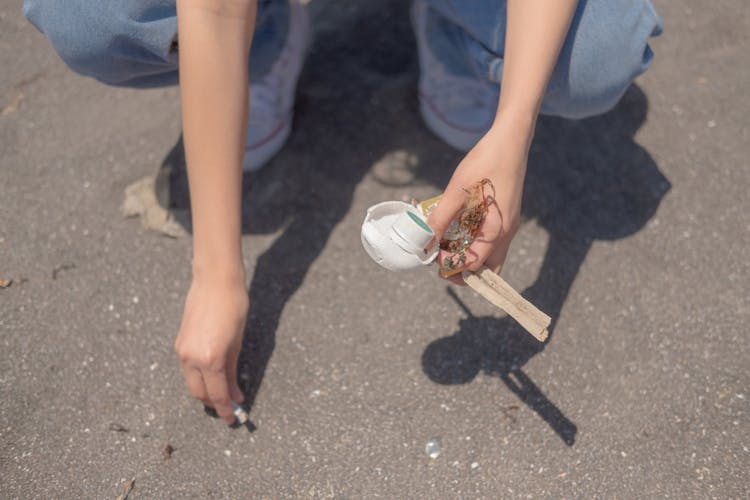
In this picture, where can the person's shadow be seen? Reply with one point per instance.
(356, 103)
(587, 180)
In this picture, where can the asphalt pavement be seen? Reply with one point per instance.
(635, 236)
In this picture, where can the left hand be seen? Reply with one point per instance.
(499, 156)
(210, 339)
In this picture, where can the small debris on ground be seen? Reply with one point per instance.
(5, 282)
(167, 451)
(62, 267)
(13, 106)
(126, 490)
(508, 412)
(118, 428)
(432, 448)
(140, 200)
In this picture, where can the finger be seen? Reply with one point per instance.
(234, 387)
(479, 252)
(196, 386)
(491, 239)
(496, 260)
(218, 393)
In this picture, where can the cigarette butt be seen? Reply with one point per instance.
(239, 413)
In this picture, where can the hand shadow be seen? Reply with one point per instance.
(356, 103)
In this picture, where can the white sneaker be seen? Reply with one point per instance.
(458, 109)
(272, 97)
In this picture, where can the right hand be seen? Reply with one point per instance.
(208, 344)
(499, 156)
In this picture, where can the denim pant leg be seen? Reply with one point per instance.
(133, 43)
(605, 49)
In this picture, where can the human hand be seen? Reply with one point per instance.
(499, 156)
(209, 342)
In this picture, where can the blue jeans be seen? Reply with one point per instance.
(133, 43)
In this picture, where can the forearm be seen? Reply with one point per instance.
(214, 45)
(536, 30)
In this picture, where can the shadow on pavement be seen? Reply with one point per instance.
(356, 103)
(587, 180)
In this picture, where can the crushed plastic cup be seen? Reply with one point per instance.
(395, 234)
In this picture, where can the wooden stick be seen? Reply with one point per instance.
(495, 289)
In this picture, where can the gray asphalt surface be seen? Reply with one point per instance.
(635, 240)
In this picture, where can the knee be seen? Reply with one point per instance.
(593, 88)
(606, 50)
(85, 40)
(79, 43)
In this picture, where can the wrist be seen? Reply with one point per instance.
(225, 274)
(513, 130)
(519, 120)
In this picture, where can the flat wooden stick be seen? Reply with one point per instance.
(495, 289)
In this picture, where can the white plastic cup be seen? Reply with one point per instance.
(394, 234)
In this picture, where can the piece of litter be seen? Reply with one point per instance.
(62, 267)
(166, 451)
(432, 448)
(394, 234)
(13, 106)
(5, 282)
(141, 200)
(239, 413)
(474, 465)
(117, 427)
(126, 490)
